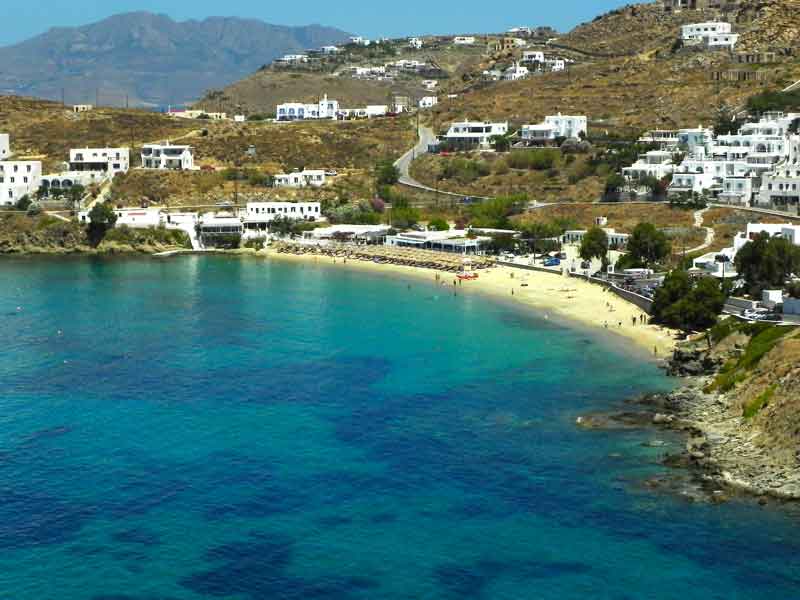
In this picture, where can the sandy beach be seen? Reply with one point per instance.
(551, 295)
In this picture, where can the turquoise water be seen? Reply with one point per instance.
(226, 428)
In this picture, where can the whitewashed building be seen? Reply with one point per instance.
(616, 239)
(415, 43)
(533, 56)
(5, 146)
(19, 178)
(555, 127)
(81, 108)
(712, 34)
(298, 111)
(516, 72)
(258, 215)
(428, 102)
(360, 41)
(464, 40)
(474, 134)
(656, 163)
(300, 179)
(167, 156)
(330, 50)
(104, 160)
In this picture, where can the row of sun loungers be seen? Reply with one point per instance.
(411, 257)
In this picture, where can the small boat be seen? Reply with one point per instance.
(467, 276)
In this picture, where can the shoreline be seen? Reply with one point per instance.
(567, 299)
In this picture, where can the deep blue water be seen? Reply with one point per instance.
(233, 428)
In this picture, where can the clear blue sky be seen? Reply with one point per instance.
(371, 19)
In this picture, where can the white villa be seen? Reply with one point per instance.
(168, 156)
(428, 101)
(758, 165)
(360, 41)
(300, 179)
(656, 163)
(5, 146)
(257, 215)
(297, 111)
(554, 127)
(720, 264)
(615, 239)
(105, 160)
(330, 50)
(19, 178)
(516, 72)
(464, 40)
(474, 134)
(415, 43)
(533, 56)
(80, 108)
(293, 59)
(713, 34)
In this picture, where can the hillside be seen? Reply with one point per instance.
(629, 76)
(44, 130)
(149, 58)
(275, 83)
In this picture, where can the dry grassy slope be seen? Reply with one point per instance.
(650, 87)
(631, 29)
(262, 91)
(47, 131)
(777, 425)
(775, 24)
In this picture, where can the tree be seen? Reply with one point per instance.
(386, 173)
(101, 218)
(648, 245)
(75, 196)
(726, 121)
(501, 143)
(594, 244)
(767, 262)
(24, 203)
(614, 185)
(438, 224)
(686, 304)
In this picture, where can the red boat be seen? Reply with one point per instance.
(467, 276)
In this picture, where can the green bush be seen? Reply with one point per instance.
(756, 405)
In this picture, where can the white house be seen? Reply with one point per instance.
(80, 108)
(293, 59)
(168, 156)
(330, 50)
(533, 56)
(105, 160)
(297, 111)
(299, 179)
(713, 34)
(257, 215)
(19, 178)
(415, 43)
(554, 127)
(428, 101)
(655, 163)
(377, 110)
(360, 41)
(430, 84)
(615, 238)
(5, 146)
(555, 65)
(69, 179)
(472, 134)
(464, 40)
(516, 72)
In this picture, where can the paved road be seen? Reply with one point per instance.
(426, 137)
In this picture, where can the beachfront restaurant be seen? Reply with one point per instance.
(454, 241)
(359, 234)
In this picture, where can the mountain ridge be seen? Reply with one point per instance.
(148, 58)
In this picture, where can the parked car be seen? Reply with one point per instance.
(331, 173)
(756, 314)
(552, 262)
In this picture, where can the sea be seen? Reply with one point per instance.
(248, 429)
